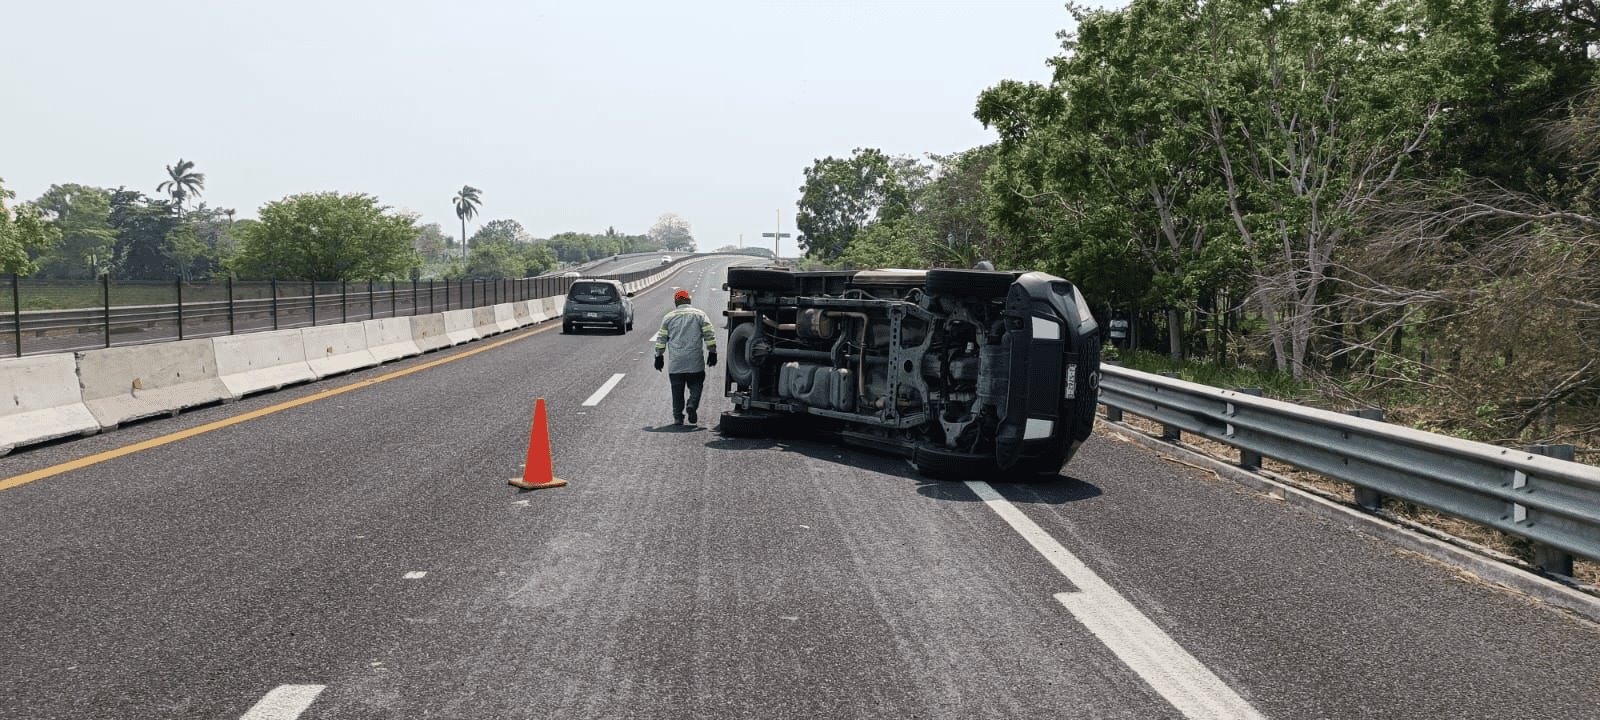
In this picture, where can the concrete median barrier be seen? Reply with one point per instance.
(45, 403)
(458, 326)
(536, 311)
(334, 349)
(258, 362)
(505, 317)
(427, 331)
(389, 339)
(520, 311)
(123, 384)
(484, 322)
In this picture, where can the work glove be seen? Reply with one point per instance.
(660, 363)
(711, 358)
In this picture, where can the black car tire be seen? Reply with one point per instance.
(740, 371)
(969, 283)
(566, 328)
(744, 278)
(947, 464)
(754, 424)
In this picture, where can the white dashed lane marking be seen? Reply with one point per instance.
(604, 390)
(416, 574)
(1137, 641)
(285, 702)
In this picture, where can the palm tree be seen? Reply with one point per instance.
(467, 202)
(182, 182)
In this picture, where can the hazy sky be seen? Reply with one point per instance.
(568, 115)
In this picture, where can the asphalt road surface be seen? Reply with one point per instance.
(627, 264)
(361, 556)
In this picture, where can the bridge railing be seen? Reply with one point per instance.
(1553, 503)
(49, 316)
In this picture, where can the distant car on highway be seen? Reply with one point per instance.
(666, 259)
(965, 372)
(595, 302)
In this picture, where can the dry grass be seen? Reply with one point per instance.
(1584, 571)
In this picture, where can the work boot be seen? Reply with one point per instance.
(677, 420)
(693, 419)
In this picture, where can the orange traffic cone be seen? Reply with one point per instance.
(537, 474)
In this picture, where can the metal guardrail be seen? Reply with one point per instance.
(1553, 503)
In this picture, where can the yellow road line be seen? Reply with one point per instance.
(83, 462)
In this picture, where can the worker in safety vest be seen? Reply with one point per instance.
(683, 331)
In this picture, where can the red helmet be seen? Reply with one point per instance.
(680, 297)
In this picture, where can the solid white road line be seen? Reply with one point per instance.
(285, 702)
(1142, 645)
(604, 389)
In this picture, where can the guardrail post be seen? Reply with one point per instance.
(372, 312)
(16, 309)
(344, 302)
(1549, 559)
(274, 303)
(232, 328)
(1170, 433)
(1367, 497)
(313, 303)
(394, 302)
(1113, 414)
(1249, 460)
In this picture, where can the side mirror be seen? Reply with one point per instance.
(630, 294)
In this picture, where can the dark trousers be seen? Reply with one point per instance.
(695, 382)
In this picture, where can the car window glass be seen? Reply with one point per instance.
(593, 293)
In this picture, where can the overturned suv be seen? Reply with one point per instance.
(966, 372)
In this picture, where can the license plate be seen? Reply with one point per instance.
(1072, 381)
(591, 315)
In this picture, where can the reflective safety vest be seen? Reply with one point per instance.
(684, 330)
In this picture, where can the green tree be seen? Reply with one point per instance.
(537, 259)
(328, 236)
(1316, 110)
(503, 231)
(467, 202)
(203, 242)
(1113, 163)
(840, 197)
(23, 232)
(142, 226)
(431, 243)
(82, 215)
(182, 182)
(896, 243)
(672, 233)
(494, 259)
(187, 252)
